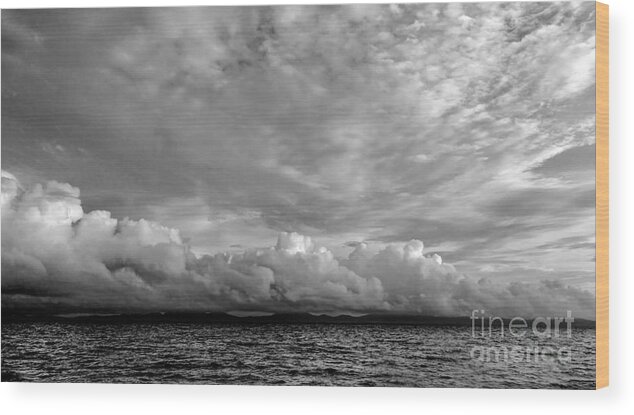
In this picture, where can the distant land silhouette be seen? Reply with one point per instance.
(224, 318)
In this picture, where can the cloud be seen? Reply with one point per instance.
(56, 257)
(458, 124)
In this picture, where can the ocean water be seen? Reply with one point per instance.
(293, 354)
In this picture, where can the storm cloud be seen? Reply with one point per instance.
(57, 258)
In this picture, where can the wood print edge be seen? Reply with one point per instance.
(602, 195)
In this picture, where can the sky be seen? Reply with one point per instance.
(427, 158)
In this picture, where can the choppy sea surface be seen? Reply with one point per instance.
(294, 354)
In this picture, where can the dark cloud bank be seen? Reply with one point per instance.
(56, 257)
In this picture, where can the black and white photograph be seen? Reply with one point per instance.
(366, 195)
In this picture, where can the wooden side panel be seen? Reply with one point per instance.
(602, 195)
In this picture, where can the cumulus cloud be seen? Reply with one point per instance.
(414, 282)
(57, 257)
